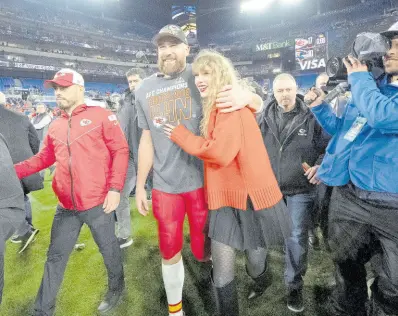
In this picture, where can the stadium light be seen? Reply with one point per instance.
(255, 5)
(291, 1)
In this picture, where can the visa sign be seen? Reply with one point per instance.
(312, 64)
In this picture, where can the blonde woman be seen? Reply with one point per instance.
(246, 208)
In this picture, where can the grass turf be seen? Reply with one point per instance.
(85, 278)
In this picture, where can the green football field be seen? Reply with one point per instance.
(85, 279)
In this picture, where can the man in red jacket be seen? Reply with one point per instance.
(92, 154)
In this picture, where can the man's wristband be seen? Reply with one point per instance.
(114, 190)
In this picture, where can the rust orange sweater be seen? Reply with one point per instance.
(236, 161)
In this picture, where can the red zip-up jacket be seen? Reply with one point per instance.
(91, 153)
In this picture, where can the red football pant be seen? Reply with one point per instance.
(169, 210)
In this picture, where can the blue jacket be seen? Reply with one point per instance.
(370, 161)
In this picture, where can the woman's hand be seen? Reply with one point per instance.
(168, 129)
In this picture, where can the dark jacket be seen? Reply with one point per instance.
(23, 142)
(304, 142)
(128, 118)
(11, 194)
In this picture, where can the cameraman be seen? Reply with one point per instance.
(362, 162)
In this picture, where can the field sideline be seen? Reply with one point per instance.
(85, 278)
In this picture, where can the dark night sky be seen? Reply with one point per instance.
(158, 12)
(213, 15)
(224, 15)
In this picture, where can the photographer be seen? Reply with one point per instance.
(362, 163)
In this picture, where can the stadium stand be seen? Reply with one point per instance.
(316, 23)
(90, 46)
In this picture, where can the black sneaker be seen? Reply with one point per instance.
(27, 239)
(295, 301)
(125, 242)
(110, 302)
(16, 239)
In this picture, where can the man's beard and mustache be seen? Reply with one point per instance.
(64, 104)
(171, 68)
(391, 65)
(287, 101)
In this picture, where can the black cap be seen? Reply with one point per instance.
(170, 31)
(391, 32)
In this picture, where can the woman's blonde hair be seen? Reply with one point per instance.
(222, 72)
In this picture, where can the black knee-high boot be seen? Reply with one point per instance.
(261, 283)
(227, 299)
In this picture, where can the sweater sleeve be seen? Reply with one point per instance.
(223, 144)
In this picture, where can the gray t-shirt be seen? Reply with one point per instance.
(163, 100)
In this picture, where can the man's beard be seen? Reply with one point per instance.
(173, 69)
(287, 102)
(391, 69)
(64, 105)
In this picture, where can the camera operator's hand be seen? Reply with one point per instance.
(354, 65)
(314, 97)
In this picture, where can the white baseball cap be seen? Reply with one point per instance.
(392, 31)
(65, 78)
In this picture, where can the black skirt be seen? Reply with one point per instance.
(251, 229)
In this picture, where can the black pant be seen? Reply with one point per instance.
(360, 222)
(64, 233)
(321, 211)
(10, 220)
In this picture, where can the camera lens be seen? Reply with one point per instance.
(335, 68)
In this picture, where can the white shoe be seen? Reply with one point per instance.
(125, 242)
